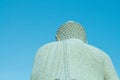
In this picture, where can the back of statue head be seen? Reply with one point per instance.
(69, 30)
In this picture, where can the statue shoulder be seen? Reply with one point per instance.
(98, 51)
(45, 48)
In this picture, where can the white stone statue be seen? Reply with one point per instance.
(71, 58)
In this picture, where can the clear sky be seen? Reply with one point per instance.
(25, 25)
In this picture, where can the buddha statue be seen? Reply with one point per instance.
(70, 57)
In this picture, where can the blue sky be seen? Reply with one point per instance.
(25, 25)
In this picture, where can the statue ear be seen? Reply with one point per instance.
(57, 38)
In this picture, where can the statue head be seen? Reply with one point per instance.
(69, 30)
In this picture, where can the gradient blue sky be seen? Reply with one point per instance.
(25, 25)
